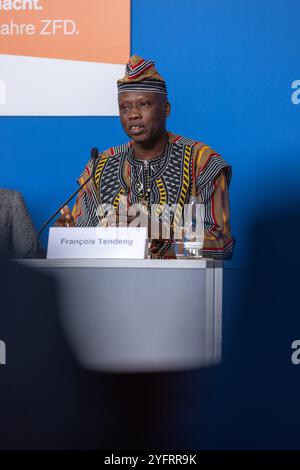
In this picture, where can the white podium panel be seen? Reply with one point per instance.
(140, 315)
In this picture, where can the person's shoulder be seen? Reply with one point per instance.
(207, 162)
(10, 196)
(116, 150)
(197, 145)
(104, 156)
(110, 153)
(7, 193)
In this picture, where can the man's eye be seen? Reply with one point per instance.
(145, 103)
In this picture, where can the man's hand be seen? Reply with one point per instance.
(65, 219)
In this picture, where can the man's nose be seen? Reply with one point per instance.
(134, 113)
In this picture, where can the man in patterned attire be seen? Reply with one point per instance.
(156, 167)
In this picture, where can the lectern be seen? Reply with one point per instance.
(140, 315)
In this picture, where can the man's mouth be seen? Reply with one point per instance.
(136, 129)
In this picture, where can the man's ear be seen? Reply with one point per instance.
(167, 109)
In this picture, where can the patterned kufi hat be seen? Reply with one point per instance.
(141, 75)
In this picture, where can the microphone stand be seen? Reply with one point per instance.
(94, 156)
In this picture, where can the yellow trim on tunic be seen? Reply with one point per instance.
(185, 185)
(162, 197)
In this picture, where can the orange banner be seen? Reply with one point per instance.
(92, 31)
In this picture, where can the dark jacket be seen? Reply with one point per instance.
(18, 238)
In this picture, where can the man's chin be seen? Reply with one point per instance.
(138, 138)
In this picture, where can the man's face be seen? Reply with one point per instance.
(143, 116)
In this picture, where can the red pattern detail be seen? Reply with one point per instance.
(226, 245)
(213, 207)
(140, 72)
(193, 171)
(137, 64)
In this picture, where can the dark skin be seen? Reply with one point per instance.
(143, 117)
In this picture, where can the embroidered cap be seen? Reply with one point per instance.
(141, 75)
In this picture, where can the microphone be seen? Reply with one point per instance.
(94, 157)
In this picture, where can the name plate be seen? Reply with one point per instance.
(98, 242)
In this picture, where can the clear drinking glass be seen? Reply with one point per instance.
(193, 228)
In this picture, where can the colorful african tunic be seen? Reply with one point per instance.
(185, 168)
